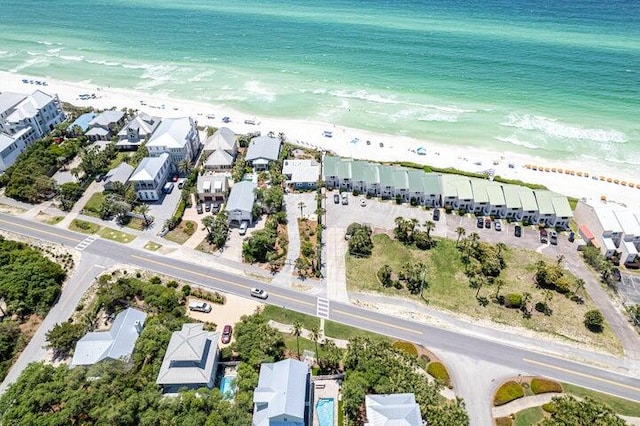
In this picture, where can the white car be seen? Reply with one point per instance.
(259, 293)
(363, 203)
(200, 307)
(243, 227)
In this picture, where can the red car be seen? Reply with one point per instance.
(226, 334)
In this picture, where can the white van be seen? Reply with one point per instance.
(243, 227)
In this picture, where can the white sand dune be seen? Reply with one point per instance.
(350, 142)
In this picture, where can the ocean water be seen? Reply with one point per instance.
(554, 79)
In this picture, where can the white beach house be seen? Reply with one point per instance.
(137, 130)
(177, 137)
(262, 151)
(150, 176)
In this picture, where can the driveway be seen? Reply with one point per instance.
(162, 210)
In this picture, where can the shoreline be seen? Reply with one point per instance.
(350, 142)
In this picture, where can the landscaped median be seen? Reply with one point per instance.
(84, 227)
(105, 232)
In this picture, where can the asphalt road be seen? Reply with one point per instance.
(511, 357)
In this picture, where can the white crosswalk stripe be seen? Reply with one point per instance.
(85, 243)
(322, 308)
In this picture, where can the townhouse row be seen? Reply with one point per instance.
(479, 196)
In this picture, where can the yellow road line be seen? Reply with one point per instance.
(577, 373)
(39, 230)
(209, 277)
(386, 324)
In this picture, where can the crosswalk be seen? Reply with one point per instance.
(85, 243)
(322, 308)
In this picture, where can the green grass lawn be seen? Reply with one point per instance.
(116, 235)
(151, 246)
(528, 417)
(135, 223)
(48, 219)
(92, 207)
(118, 160)
(621, 406)
(305, 344)
(182, 232)
(84, 226)
(448, 288)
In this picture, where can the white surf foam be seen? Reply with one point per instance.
(515, 141)
(555, 128)
(256, 89)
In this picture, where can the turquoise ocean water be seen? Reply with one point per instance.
(548, 78)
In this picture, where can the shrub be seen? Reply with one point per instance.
(539, 385)
(504, 421)
(541, 307)
(549, 407)
(440, 373)
(594, 320)
(214, 297)
(155, 280)
(172, 284)
(186, 290)
(513, 300)
(508, 392)
(406, 347)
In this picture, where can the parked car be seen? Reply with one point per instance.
(518, 231)
(243, 227)
(215, 207)
(544, 236)
(100, 177)
(363, 203)
(226, 334)
(487, 223)
(553, 238)
(199, 208)
(200, 307)
(168, 187)
(498, 225)
(436, 214)
(336, 198)
(207, 206)
(259, 293)
(381, 145)
(181, 184)
(480, 223)
(345, 198)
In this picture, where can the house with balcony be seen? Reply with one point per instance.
(10, 148)
(212, 188)
(118, 176)
(106, 124)
(629, 221)
(387, 190)
(191, 359)
(284, 394)
(513, 205)
(239, 205)
(30, 117)
(360, 176)
(262, 151)
(177, 137)
(400, 184)
(480, 196)
(81, 124)
(432, 188)
(223, 139)
(150, 176)
(136, 131)
(601, 224)
(497, 203)
(301, 174)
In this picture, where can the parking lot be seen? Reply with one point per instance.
(629, 289)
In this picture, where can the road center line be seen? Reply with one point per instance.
(386, 324)
(585, 375)
(242, 286)
(41, 231)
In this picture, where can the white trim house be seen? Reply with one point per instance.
(178, 137)
(150, 176)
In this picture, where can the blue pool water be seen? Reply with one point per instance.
(227, 387)
(324, 411)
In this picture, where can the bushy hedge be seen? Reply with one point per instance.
(508, 392)
(504, 421)
(440, 373)
(549, 407)
(214, 297)
(513, 300)
(406, 347)
(539, 385)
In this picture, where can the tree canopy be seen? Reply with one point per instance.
(568, 411)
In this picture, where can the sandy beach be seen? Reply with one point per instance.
(350, 142)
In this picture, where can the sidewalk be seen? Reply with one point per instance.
(522, 404)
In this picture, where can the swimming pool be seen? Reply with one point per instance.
(227, 387)
(324, 411)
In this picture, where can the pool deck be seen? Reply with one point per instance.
(325, 389)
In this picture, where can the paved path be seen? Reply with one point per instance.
(79, 205)
(90, 266)
(522, 404)
(336, 268)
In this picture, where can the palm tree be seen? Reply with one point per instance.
(297, 330)
(315, 336)
(501, 247)
(560, 259)
(429, 225)
(461, 233)
(301, 205)
(474, 238)
(184, 166)
(143, 209)
(579, 286)
(526, 298)
(499, 282)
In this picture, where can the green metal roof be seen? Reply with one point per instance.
(415, 178)
(344, 169)
(431, 184)
(331, 165)
(400, 179)
(496, 197)
(448, 183)
(528, 200)
(358, 170)
(463, 186)
(561, 206)
(371, 174)
(479, 189)
(386, 175)
(512, 196)
(545, 206)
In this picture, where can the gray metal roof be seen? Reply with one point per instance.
(301, 171)
(528, 199)
(149, 168)
(143, 124)
(263, 147)
(223, 138)
(398, 409)
(219, 157)
(241, 197)
(10, 99)
(479, 188)
(190, 356)
(107, 118)
(172, 133)
(216, 183)
(122, 173)
(117, 343)
(281, 391)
